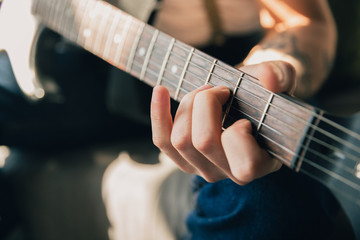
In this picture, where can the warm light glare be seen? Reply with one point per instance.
(266, 20)
(288, 17)
(4, 153)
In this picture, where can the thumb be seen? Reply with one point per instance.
(276, 76)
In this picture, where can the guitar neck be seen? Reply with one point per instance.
(158, 59)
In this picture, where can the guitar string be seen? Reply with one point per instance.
(227, 70)
(350, 183)
(279, 144)
(315, 127)
(226, 80)
(344, 193)
(250, 76)
(237, 87)
(335, 125)
(325, 132)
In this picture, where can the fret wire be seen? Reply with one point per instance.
(65, 12)
(44, 8)
(183, 73)
(323, 118)
(329, 146)
(350, 156)
(78, 8)
(302, 121)
(326, 133)
(265, 111)
(134, 47)
(54, 9)
(296, 155)
(349, 170)
(69, 19)
(166, 58)
(100, 34)
(114, 23)
(276, 143)
(310, 125)
(88, 4)
(55, 12)
(273, 141)
(254, 119)
(120, 47)
(92, 32)
(62, 11)
(211, 71)
(136, 63)
(288, 114)
(232, 97)
(148, 54)
(346, 130)
(226, 70)
(308, 140)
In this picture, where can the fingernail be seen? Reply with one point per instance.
(203, 87)
(278, 72)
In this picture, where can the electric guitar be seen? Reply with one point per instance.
(304, 138)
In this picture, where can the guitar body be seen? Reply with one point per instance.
(336, 165)
(20, 32)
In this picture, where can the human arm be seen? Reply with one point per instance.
(302, 33)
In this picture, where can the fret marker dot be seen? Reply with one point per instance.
(117, 38)
(87, 33)
(142, 51)
(339, 154)
(174, 69)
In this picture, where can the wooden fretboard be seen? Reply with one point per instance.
(156, 58)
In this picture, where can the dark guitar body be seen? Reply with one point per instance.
(341, 159)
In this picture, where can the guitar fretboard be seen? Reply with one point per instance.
(158, 59)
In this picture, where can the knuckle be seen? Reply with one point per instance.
(204, 143)
(203, 96)
(160, 143)
(246, 172)
(181, 142)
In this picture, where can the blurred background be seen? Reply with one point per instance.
(64, 161)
